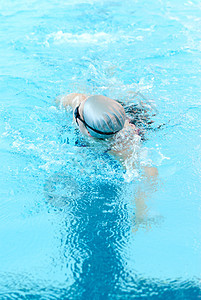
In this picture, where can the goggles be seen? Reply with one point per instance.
(77, 116)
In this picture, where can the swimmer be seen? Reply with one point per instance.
(104, 119)
(101, 118)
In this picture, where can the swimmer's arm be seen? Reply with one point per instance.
(151, 173)
(72, 100)
(144, 190)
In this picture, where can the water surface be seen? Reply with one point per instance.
(67, 214)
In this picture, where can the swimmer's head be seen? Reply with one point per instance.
(102, 116)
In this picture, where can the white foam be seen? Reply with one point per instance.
(61, 37)
(65, 37)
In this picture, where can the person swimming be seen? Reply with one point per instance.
(105, 120)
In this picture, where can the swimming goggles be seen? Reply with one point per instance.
(77, 116)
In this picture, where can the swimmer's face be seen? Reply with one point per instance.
(82, 127)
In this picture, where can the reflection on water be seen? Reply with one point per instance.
(96, 237)
(101, 234)
(60, 189)
(97, 233)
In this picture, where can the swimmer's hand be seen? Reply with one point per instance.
(145, 189)
(147, 222)
(73, 100)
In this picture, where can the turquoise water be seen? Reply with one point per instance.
(67, 213)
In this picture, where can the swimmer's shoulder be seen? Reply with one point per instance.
(129, 128)
(125, 139)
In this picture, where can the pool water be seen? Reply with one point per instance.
(67, 213)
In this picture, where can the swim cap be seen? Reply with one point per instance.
(103, 114)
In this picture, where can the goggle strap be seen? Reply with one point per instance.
(77, 116)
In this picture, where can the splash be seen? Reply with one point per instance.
(61, 37)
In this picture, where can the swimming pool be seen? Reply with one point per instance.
(67, 217)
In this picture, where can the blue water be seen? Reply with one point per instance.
(67, 213)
